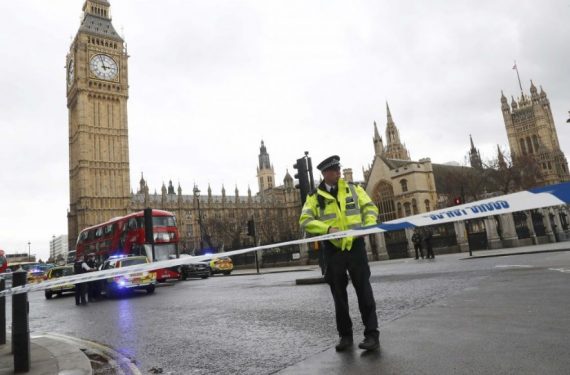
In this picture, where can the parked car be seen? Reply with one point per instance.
(55, 273)
(221, 264)
(136, 281)
(199, 269)
(35, 270)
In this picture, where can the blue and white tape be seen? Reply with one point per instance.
(553, 195)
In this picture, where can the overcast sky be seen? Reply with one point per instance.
(210, 79)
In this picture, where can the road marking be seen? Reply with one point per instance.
(514, 266)
(563, 270)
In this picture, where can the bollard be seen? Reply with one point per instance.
(2, 313)
(20, 325)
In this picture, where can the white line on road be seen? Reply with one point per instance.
(563, 270)
(514, 266)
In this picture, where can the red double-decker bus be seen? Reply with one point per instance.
(126, 235)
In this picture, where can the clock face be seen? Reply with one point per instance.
(70, 72)
(103, 67)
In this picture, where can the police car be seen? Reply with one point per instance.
(121, 284)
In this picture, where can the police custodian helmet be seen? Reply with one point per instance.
(332, 162)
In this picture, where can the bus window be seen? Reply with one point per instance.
(99, 232)
(132, 223)
(163, 221)
(109, 229)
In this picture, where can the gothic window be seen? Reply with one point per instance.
(529, 145)
(535, 142)
(549, 165)
(404, 184)
(407, 209)
(523, 148)
(414, 207)
(400, 210)
(383, 196)
(426, 202)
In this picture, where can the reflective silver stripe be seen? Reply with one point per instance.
(353, 211)
(307, 211)
(354, 196)
(307, 221)
(371, 204)
(356, 225)
(321, 212)
(328, 217)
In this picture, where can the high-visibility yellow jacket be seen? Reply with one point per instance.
(352, 209)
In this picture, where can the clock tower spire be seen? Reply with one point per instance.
(97, 94)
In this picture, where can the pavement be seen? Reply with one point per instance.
(472, 336)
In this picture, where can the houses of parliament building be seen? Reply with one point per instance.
(99, 172)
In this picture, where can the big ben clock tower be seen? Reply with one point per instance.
(97, 94)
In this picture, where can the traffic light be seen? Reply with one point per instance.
(457, 200)
(251, 228)
(302, 176)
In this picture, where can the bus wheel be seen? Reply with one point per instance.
(150, 289)
(48, 295)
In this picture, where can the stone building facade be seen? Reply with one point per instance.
(97, 94)
(219, 221)
(399, 186)
(532, 135)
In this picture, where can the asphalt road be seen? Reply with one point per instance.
(261, 324)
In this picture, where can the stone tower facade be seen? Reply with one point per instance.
(394, 148)
(532, 134)
(265, 172)
(474, 156)
(97, 94)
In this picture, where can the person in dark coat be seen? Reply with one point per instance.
(428, 234)
(92, 286)
(79, 267)
(417, 241)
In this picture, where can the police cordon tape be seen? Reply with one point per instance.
(553, 195)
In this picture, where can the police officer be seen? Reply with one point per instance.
(337, 205)
(79, 267)
(92, 286)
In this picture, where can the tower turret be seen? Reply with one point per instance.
(265, 172)
(394, 148)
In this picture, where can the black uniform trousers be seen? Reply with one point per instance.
(418, 247)
(355, 262)
(81, 293)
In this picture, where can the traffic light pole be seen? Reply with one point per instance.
(252, 232)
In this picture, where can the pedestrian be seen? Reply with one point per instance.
(428, 234)
(92, 286)
(417, 241)
(337, 205)
(3, 261)
(79, 267)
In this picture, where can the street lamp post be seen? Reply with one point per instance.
(29, 256)
(197, 196)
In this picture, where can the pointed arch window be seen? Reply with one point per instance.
(383, 196)
(428, 208)
(414, 207)
(404, 184)
(529, 145)
(407, 209)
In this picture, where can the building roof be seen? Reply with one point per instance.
(93, 24)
